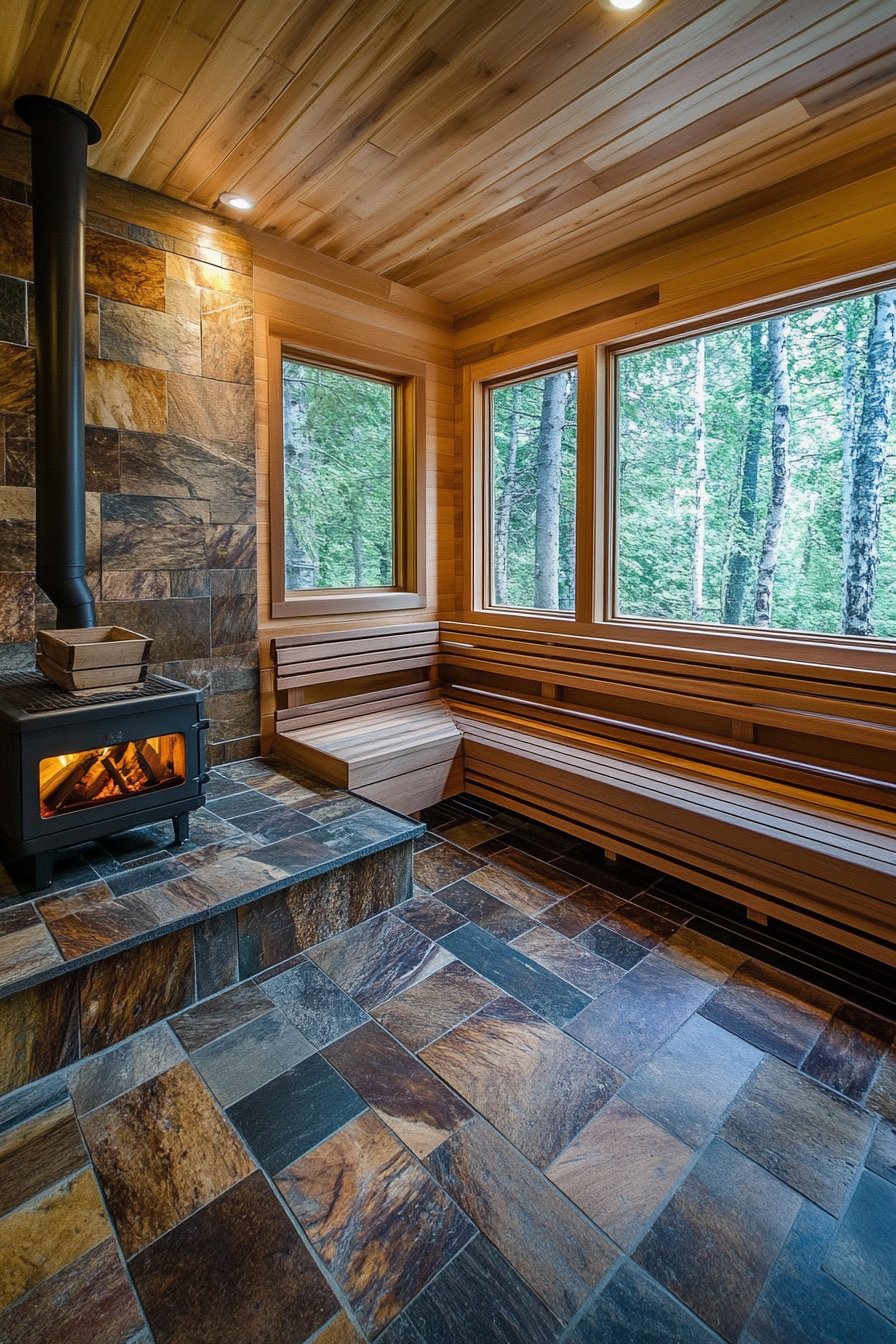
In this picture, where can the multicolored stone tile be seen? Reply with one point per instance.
(585, 970)
(701, 956)
(882, 1096)
(633, 1307)
(25, 944)
(552, 1247)
(161, 1152)
(881, 1157)
(574, 914)
(633, 1018)
(771, 1010)
(38, 1032)
(90, 1301)
(644, 927)
(100, 1078)
(516, 974)
(612, 946)
(220, 1014)
(523, 881)
(619, 1169)
(133, 989)
(479, 1296)
(861, 1254)
(414, 1103)
(295, 1112)
(364, 1202)
(379, 959)
(430, 916)
(802, 1304)
(847, 1054)
(441, 865)
(49, 1232)
(535, 1084)
(716, 1240)
(250, 1056)
(259, 1284)
(42, 1150)
(318, 908)
(313, 1003)
(805, 1134)
(426, 1011)
(496, 916)
(689, 1083)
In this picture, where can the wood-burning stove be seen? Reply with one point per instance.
(75, 769)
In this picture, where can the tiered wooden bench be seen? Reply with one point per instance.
(393, 742)
(806, 842)
(825, 865)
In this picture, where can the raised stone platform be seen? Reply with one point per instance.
(135, 928)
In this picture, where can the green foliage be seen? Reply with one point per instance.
(338, 472)
(516, 487)
(656, 475)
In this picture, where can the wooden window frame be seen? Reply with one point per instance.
(595, 615)
(408, 377)
(485, 484)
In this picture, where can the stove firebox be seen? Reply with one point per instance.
(76, 769)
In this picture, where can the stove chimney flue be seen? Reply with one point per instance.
(60, 135)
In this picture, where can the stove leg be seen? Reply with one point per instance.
(181, 827)
(43, 869)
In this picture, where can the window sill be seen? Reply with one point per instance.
(328, 603)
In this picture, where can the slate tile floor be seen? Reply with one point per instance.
(538, 1103)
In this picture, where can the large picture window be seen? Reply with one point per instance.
(533, 492)
(756, 474)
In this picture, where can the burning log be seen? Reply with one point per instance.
(110, 773)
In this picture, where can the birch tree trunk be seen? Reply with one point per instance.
(357, 554)
(302, 562)
(697, 611)
(505, 501)
(741, 553)
(847, 435)
(777, 506)
(547, 491)
(868, 459)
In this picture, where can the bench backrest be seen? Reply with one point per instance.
(334, 657)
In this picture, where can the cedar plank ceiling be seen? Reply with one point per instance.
(467, 147)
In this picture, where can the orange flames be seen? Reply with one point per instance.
(105, 774)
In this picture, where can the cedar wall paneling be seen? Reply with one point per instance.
(338, 309)
(170, 440)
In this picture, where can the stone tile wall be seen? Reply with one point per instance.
(170, 441)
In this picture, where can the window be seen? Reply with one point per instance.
(755, 481)
(533, 491)
(347, 448)
(338, 478)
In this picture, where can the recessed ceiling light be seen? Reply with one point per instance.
(614, 6)
(238, 201)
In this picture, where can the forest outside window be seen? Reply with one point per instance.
(533, 492)
(339, 478)
(345, 526)
(756, 474)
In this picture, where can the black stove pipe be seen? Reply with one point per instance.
(59, 138)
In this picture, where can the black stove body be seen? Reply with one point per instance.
(76, 769)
